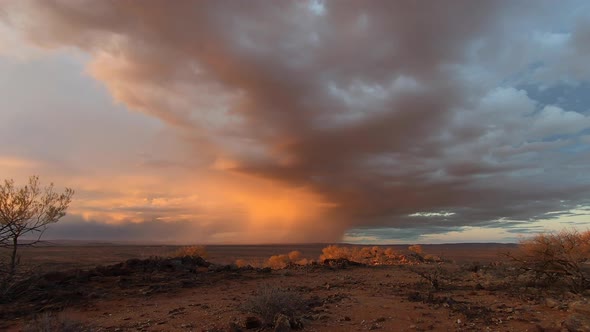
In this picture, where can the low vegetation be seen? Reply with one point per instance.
(25, 211)
(365, 255)
(51, 322)
(191, 251)
(283, 261)
(269, 302)
(549, 270)
(555, 259)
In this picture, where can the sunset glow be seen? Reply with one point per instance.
(321, 121)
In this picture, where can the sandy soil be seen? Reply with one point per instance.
(136, 297)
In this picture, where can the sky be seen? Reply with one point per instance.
(301, 121)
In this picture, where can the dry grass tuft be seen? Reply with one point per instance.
(269, 302)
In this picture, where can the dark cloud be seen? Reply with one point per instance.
(76, 228)
(377, 108)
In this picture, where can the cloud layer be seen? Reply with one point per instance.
(338, 115)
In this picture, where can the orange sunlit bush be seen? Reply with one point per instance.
(365, 255)
(282, 261)
(557, 257)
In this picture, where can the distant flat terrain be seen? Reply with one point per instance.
(58, 256)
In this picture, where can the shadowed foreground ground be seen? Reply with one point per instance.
(143, 294)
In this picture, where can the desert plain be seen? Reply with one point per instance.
(108, 287)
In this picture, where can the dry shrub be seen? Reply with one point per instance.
(242, 263)
(417, 249)
(15, 286)
(556, 258)
(270, 301)
(418, 253)
(365, 255)
(191, 251)
(282, 261)
(433, 258)
(294, 256)
(49, 322)
(434, 276)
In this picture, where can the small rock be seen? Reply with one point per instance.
(551, 303)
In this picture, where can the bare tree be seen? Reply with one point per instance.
(28, 209)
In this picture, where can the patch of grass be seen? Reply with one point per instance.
(268, 302)
(50, 322)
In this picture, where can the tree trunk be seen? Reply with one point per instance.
(13, 257)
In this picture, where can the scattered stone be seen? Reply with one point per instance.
(177, 311)
(374, 326)
(252, 322)
(551, 303)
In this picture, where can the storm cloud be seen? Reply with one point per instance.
(399, 114)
